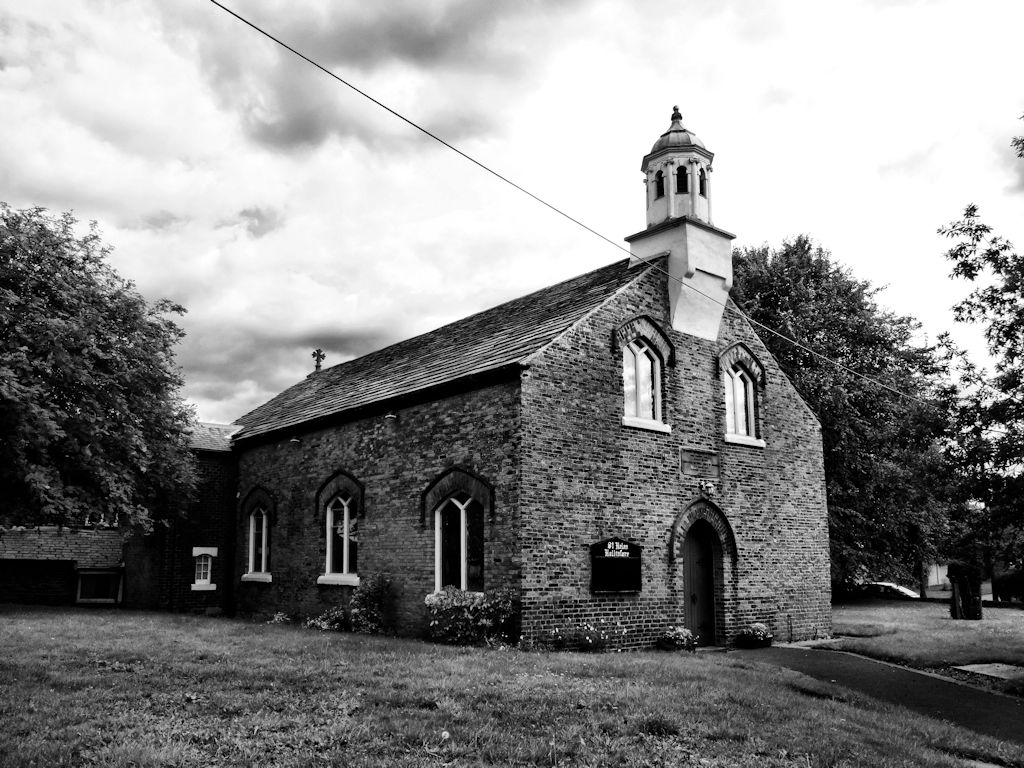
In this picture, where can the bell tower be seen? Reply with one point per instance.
(678, 198)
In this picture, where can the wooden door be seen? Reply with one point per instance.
(699, 582)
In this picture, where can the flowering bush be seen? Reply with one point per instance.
(331, 620)
(754, 635)
(371, 605)
(468, 618)
(586, 636)
(678, 639)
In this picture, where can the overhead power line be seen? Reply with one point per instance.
(824, 358)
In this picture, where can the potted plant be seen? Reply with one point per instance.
(756, 635)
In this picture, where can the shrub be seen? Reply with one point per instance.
(588, 637)
(331, 620)
(677, 639)
(372, 605)
(470, 618)
(754, 635)
(280, 618)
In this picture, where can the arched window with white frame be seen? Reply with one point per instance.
(743, 380)
(340, 504)
(341, 527)
(740, 416)
(259, 546)
(459, 543)
(641, 382)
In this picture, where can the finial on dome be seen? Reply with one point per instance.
(676, 114)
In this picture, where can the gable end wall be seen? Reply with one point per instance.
(586, 477)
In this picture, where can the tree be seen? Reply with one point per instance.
(887, 479)
(91, 424)
(990, 420)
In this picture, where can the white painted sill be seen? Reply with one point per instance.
(265, 577)
(342, 579)
(649, 424)
(204, 587)
(753, 442)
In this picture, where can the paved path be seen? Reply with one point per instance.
(990, 713)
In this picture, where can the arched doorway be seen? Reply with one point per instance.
(699, 572)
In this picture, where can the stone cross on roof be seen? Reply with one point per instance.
(318, 355)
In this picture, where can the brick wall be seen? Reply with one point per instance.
(37, 565)
(587, 477)
(160, 566)
(395, 460)
(87, 547)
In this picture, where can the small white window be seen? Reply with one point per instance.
(259, 547)
(203, 558)
(459, 544)
(342, 532)
(203, 568)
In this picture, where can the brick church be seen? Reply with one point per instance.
(618, 446)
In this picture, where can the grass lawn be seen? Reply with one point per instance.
(923, 635)
(118, 688)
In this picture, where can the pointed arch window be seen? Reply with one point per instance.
(659, 185)
(641, 386)
(645, 350)
(641, 377)
(739, 403)
(703, 188)
(682, 181)
(259, 546)
(342, 535)
(459, 543)
(742, 379)
(340, 503)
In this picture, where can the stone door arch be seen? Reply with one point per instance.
(702, 551)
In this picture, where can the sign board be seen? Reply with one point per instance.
(615, 566)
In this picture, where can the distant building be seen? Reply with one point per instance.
(619, 446)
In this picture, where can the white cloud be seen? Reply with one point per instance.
(286, 212)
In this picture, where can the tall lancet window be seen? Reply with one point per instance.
(739, 403)
(641, 381)
(659, 184)
(342, 530)
(682, 181)
(703, 183)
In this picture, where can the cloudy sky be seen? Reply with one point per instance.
(287, 212)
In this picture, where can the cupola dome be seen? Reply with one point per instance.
(676, 136)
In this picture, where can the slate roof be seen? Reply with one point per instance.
(487, 341)
(207, 436)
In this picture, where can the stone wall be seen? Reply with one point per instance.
(587, 477)
(395, 460)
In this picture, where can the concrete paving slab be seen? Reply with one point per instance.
(1002, 671)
